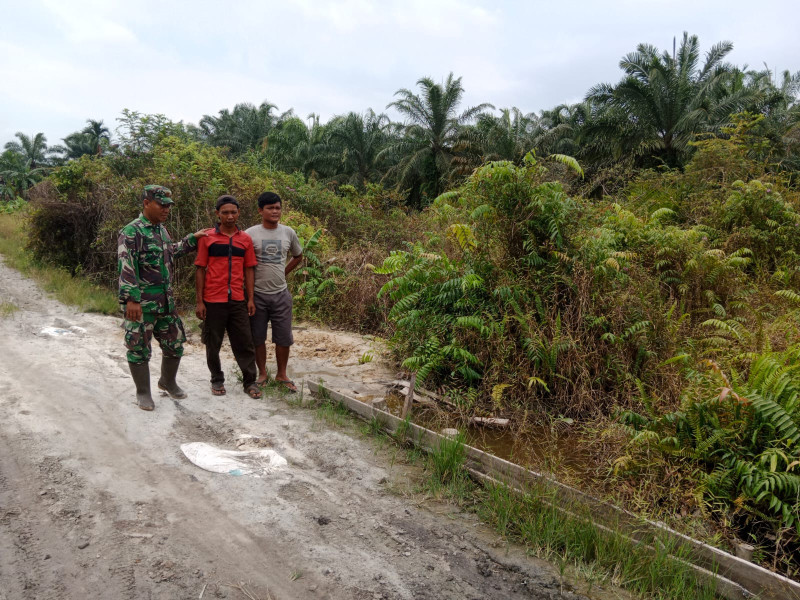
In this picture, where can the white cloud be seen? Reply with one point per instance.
(445, 18)
(64, 62)
(86, 21)
(348, 16)
(35, 80)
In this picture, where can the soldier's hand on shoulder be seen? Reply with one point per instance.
(202, 233)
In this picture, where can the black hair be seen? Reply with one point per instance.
(268, 198)
(226, 199)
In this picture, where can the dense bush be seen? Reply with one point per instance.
(524, 301)
(79, 209)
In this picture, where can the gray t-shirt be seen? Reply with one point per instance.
(273, 247)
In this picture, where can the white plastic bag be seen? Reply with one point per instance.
(234, 462)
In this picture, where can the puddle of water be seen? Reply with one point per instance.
(538, 446)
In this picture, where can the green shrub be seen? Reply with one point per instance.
(742, 435)
(80, 208)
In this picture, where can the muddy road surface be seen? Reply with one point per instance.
(98, 501)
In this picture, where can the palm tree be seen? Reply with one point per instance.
(664, 100)
(76, 145)
(509, 136)
(33, 149)
(294, 146)
(98, 134)
(768, 96)
(17, 173)
(92, 140)
(559, 130)
(245, 128)
(777, 101)
(354, 142)
(422, 155)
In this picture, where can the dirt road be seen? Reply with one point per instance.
(97, 500)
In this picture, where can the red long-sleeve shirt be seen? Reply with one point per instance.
(225, 258)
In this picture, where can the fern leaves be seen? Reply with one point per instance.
(747, 435)
(463, 235)
(568, 161)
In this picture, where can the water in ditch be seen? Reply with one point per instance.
(356, 366)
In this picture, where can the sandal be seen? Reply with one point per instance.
(218, 388)
(253, 391)
(288, 384)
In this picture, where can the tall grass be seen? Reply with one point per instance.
(447, 459)
(69, 289)
(653, 568)
(332, 413)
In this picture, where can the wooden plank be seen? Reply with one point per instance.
(491, 422)
(736, 578)
(421, 395)
(419, 399)
(409, 396)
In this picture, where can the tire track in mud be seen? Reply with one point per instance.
(56, 548)
(22, 551)
(57, 551)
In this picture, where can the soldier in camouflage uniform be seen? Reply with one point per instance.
(146, 255)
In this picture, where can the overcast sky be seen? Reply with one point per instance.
(64, 61)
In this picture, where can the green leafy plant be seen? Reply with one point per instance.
(317, 279)
(13, 205)
(743, 435)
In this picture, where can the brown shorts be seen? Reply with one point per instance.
(275, 309)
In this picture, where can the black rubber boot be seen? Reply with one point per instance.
(141, 377)
(169, 368)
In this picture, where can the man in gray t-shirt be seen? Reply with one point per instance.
(273, 244)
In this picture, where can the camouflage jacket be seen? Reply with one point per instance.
(145, 255)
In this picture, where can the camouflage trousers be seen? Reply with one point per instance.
(167, 328)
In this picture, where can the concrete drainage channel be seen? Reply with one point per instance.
(735, 578)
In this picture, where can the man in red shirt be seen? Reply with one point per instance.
(225, 276)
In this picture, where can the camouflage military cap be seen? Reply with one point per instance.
(163, 195)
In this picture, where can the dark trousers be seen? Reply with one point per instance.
(231, 317)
